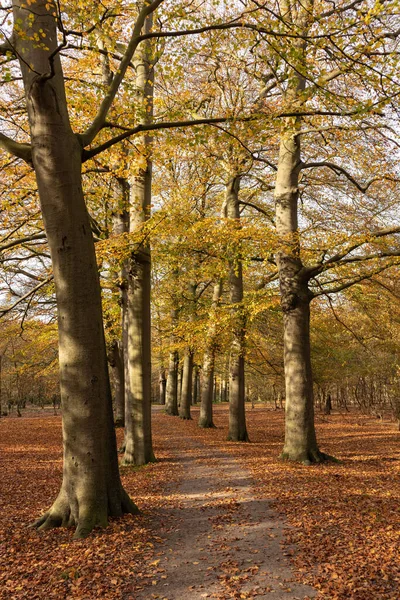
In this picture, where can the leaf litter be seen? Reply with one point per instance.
(343, 521)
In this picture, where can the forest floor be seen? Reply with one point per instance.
(219, 519)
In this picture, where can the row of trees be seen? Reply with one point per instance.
(289, 198)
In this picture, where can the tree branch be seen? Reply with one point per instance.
(17, 149)
(30, 238)
(27, 295)
(98, 122)
(342, 171)
(352, 282)
(87, 154)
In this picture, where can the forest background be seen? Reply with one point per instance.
(236, 69)
(248, 152)
(213, 185)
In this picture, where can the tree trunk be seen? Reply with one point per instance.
(206, 416)
(117, 357)
(138, 435)
(162, 386)
(187, 379)
(328, 404)
(300, 439)
(195, 384)
(91, 489)
(237, 417)
(171, 395)
(116, 360)
(207, 388)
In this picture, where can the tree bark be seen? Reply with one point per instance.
(116, 360)
(207, 388)
(162, 386)
(196, 382)
(118, 357)
(91, 489)
(187, 381)
(237, 417)
(300, 439)
(171, 395)
(138, 434)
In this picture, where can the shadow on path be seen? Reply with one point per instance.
(220, 541)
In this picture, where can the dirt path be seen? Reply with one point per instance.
(220, 541)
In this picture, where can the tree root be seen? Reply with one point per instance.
(242, 438)
(207, 425)
(60, 515)
(312, 457)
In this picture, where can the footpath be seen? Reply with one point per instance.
(220, 541)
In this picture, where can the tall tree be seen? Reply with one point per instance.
(138, 436)
(237, 418)
(208, 370)
(91, 490)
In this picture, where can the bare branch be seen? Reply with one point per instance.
(354, 281)
(5, 311)
(342, 171)
(24, 240)
(19, 150)
(340, 257)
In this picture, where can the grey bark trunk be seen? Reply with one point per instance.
(196, 382)
(171, 395)
(207, 388)
(118, 355)
(91, 489)
(180, 373)
(187, 380)
(300, 439)
(138, 434)
(237, 417)
(162, 386)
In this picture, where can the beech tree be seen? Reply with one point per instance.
(91, 490)
(138, 436)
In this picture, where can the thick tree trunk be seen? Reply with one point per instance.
(187, 380)
(138, 435)
(237, 417)
(300, 439)
(179, 384)
(91, 489)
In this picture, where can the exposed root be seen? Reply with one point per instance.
(128, 506)
(242, 438)
(207, 425)
(312, 457)
(60, 515)
(171, 413)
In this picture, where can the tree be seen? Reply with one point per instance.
(138, 436)
(91, 490)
